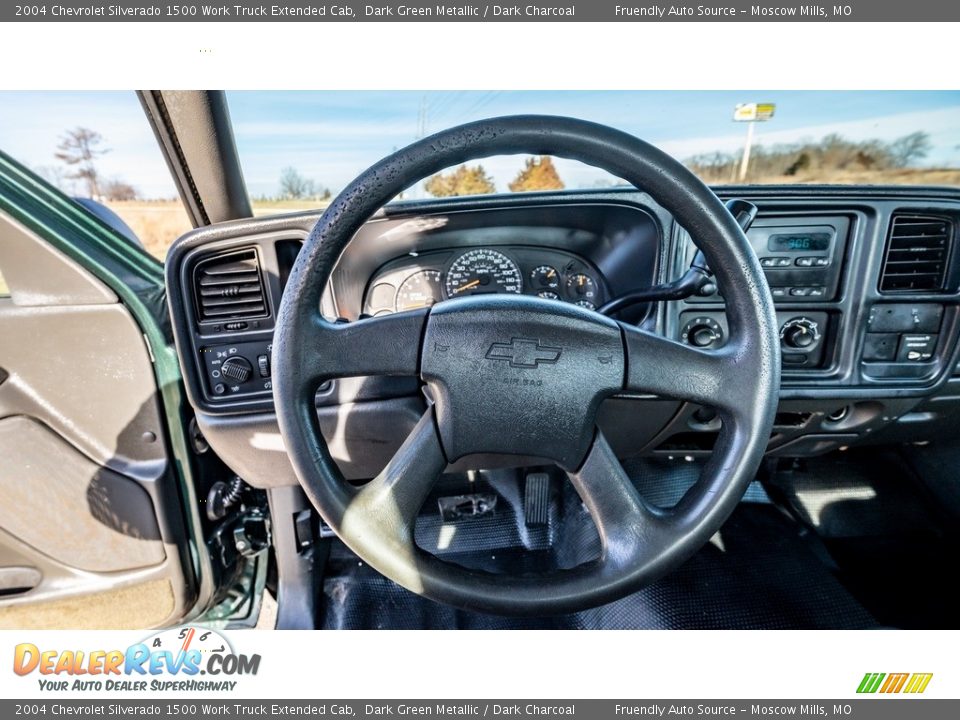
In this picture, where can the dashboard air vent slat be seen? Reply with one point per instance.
(916, 256)
(230, 287)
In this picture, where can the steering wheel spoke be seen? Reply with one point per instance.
(623, 518)
(382, 345)
(387, 506)
(670, 369)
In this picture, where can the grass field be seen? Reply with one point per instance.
(159, 223)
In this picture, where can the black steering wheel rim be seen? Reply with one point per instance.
(640, 543)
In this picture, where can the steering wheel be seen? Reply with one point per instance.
(518, 375)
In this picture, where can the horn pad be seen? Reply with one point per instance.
(519, 375)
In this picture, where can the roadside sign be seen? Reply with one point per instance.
(753, 112)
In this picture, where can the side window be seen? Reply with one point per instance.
(97, 147)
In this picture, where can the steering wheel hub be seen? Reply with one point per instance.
(519, 375)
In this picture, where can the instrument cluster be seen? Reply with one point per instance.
(421, 280)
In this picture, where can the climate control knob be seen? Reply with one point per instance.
(237, 369)
(799, 333)
(702, 332)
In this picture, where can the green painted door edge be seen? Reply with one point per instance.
(137, 279)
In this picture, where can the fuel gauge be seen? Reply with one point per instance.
(582, 287)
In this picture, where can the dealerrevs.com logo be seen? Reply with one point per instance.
(183, 659)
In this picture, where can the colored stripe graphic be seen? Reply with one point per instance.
(918, 682)
(893, 683)
(870, 682)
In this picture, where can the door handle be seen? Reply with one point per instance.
(18, 579)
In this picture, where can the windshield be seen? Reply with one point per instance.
(299, 149)
(305, 146)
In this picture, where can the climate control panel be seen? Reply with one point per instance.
(802, 335)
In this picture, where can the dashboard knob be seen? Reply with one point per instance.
(237, 369)
(702, 332)
(799, 333)
(702, 336)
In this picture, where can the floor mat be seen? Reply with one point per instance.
(887, 536)
(757, 573)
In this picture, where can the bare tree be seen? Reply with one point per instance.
(294, 186)
(909, 149)
(115, 190)
(79, 149)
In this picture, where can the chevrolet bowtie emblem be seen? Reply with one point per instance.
(524, 353)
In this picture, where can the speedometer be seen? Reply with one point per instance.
(483, 271)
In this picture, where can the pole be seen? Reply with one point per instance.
(746, 152)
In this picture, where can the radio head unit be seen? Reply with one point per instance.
(802, 257)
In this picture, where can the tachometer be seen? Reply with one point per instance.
(421, 289)
(483, 271)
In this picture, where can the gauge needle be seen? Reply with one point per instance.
(472, 283)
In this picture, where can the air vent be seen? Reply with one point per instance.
(230, 287)
(917, 252)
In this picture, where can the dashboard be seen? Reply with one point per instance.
(865, 281)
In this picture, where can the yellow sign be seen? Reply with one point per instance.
(753, 112)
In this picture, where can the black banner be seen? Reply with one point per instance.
(423, 11)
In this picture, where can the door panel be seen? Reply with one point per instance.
(65, 506)
(91, 521)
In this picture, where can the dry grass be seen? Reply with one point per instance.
(158, 223)
(903, 176)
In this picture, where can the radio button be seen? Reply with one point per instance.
(800, 291)
(916, 348)
(784, 262)
(821, 261)
(768, 262)
(779, 292)
(817, 292)
(806, 261)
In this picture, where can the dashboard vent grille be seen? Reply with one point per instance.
(917, 251)
(230, 286)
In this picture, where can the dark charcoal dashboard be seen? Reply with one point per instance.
(866, 283)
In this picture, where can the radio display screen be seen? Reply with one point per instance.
(803, 242)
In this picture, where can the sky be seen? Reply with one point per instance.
(331, 136)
